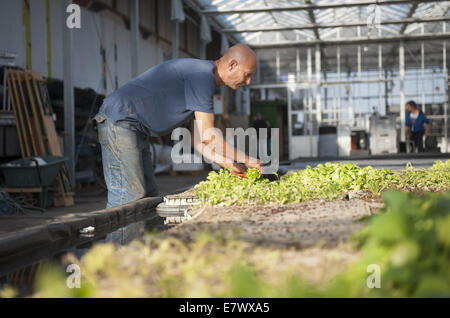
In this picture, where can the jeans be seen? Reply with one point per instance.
(127, 163)
(417, 137)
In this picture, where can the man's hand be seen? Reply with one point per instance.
(254, 163)
(235, 168)
(222, 158)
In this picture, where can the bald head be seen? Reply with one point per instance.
(237, 66)
(241, 53)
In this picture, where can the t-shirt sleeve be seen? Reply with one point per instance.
(199, 90)
(425, 119)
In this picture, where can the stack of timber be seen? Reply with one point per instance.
(35, 125)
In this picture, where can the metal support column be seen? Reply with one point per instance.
(401, 55)
(247, 96)
(359, 74)
(277, 62)
(49, 39)
(310, 102)
(318, 85)
(258, 69)
(380, 75)
(309, 64)
(175, 38)
(26, 14)
(351, 112)
(297, 63)
(289, 117)
(338, 62)
(359, 54)
(422, 66)
(277, 59)
(134, 26)
(69, 103)
(445, 73)
(203, 45)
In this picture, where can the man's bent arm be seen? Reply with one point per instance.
(215, 148)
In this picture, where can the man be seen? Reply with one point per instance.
(417, 123)
(153, 104)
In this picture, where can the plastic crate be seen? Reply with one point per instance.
(32, 176)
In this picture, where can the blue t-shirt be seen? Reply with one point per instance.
(418, 123)
(164, 97)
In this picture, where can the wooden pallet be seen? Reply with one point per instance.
(35, 125)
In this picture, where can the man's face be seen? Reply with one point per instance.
(409, 108)
(239, 74)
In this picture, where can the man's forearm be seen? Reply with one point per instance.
(234, 153)
(214, 147)
(209, 151)
(222, 153)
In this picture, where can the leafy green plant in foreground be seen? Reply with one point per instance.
(329, 181)
(410, 240)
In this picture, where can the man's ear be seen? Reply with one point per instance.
(232, 65)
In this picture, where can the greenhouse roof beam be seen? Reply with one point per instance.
(352, 41)
(216, 26)
(401, 32)
(311, 6)
(336, 25)
(410, 14)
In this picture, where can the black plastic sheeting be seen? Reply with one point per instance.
(25, 247)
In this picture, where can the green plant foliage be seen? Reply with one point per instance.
(329, 181)
(410, 241)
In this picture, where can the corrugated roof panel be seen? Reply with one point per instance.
(341, 15)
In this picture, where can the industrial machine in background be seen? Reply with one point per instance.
(382, 134)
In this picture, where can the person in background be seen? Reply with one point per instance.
(417, 125)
